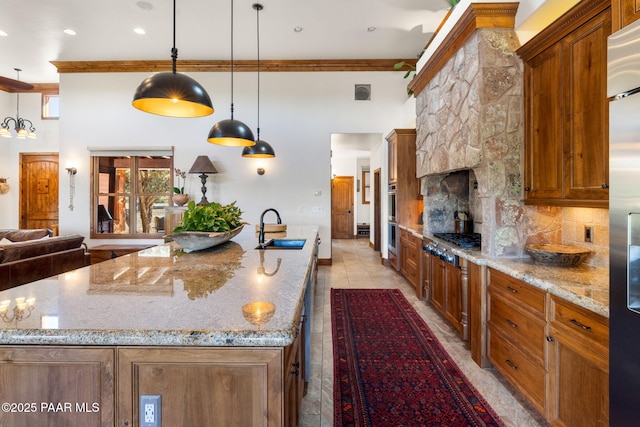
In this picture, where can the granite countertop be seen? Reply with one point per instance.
(585, 286)
(163, 296)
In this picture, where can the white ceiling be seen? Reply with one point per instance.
(332, 29)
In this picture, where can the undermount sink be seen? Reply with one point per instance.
(283, 244)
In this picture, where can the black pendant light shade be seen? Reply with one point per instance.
(231, 133)
(262, 149)
(172, 94)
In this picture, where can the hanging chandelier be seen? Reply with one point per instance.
(19, 123)
(262, 149)
(231, 132)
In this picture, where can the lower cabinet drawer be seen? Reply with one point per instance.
(525, 330)
(530, 378)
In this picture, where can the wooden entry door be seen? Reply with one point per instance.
(377, 212)
(342, 207)
(39, 190)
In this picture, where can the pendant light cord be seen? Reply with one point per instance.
(174, 50)
(231, 59)
(258, 7)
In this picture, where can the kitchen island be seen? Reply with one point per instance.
(218, 334)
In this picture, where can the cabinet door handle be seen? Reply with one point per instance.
(605, 186)
(296, 372)
(580, 325)
(513, 325)
(527, 188)
(511, 365)
(296, 364)
(515, 291)
(550, 339)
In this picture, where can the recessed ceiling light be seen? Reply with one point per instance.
(144, 5)
(70, 32)
(372, 29)
(3, 34)
(298, 29)
(139, 31)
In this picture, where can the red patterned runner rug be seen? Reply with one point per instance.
(390, 370)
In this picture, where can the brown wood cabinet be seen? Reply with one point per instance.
(477, 314)
(446, 292)
(624, 13)
(579, 366)
(410, 248)
(57, 386)
(402, 173)
(516, 335)
(566, 109)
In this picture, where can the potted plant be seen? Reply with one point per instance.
(204, 226)
(179, 198)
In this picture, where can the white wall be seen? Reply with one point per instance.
(299, 112)
(10, 149)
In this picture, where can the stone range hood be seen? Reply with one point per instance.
(470, 132)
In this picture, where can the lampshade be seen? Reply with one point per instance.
(170, 93)
(232, 133)
(262, 149)
(203, 165)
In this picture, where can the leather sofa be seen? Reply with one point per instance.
(30, 255)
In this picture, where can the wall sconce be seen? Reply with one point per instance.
(4, 187)
(72, 171)
(260, 171)
(23, 306)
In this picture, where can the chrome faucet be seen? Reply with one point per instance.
(261, 234)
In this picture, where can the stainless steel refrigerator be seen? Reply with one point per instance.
(623, 83)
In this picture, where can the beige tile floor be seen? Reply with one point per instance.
(356, 265)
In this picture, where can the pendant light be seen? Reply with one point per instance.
(172, 94)
(262, 149)
(231, 132)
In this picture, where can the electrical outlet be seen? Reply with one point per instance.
(150, 411)
(588, 233)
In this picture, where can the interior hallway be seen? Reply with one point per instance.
(356, 265)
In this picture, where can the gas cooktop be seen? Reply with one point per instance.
(464, 240)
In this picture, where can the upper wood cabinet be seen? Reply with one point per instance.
(402, 173)
(624, 13)
(566, 109)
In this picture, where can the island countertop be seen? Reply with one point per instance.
(162, 296)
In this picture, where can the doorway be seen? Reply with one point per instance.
(342, 207)
(377, 214)
(39, 190)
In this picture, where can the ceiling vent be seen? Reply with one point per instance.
(363, 92)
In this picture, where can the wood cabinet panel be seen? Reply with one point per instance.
(203, 386)
(587, 110)
(543, 144)
(566, 109)
(410, 248)
(446, 292)
(75, 385)
(624, 12)
(523, 295)
(579, 366)
(402, 173)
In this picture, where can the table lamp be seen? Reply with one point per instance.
(203, 166)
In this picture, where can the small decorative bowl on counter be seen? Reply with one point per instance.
(557, 255)
(191, 241)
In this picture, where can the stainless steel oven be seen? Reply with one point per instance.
(393, 204)
(394, 237)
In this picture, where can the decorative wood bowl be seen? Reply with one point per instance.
(191, 241)
(557, 255)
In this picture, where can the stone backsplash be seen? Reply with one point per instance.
(470, 136)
